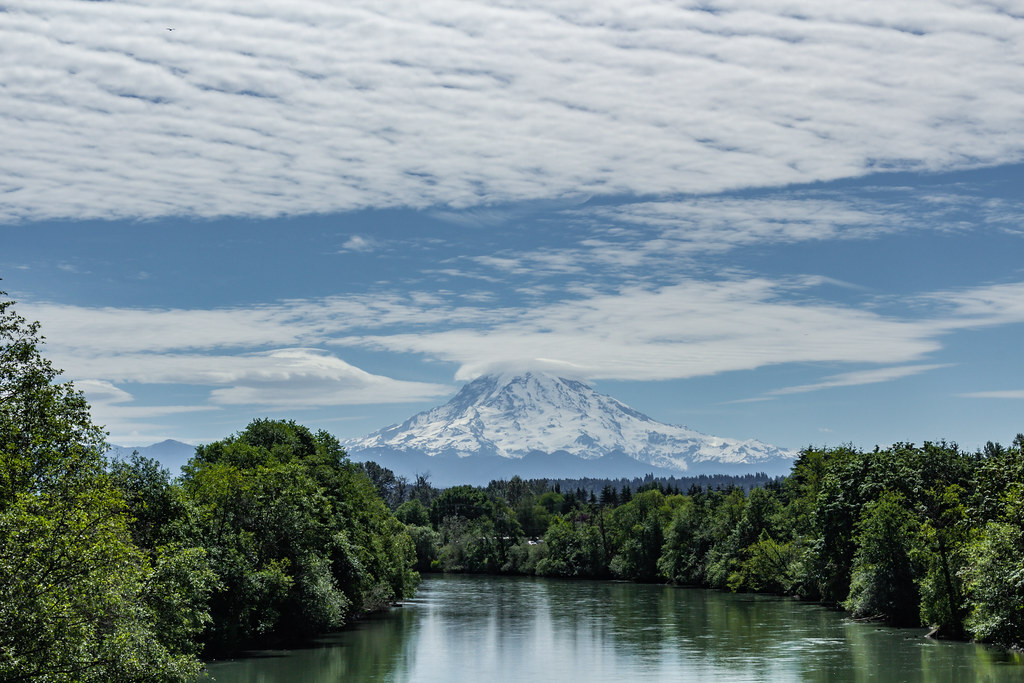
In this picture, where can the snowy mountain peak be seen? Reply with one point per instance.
(533, 392)
(515, 415)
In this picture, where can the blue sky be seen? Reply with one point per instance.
(796, 222)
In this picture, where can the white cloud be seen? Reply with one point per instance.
(758, 399)
(720, 223)
(125, 419)
(107, 331)
(313, 106)
(285, 379)
(263, 356)
(985, 306)
(645, 241)
(359, 243)
(309, 378)
(107, 402)
(101, 391)
(282, 377)
(1011, 394)
(686, 330)
(851, 379)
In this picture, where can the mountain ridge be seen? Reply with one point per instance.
(518, 417)
(171, 454)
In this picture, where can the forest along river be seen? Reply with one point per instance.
(492, 629)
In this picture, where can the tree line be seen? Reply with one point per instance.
(907, 535)
(600, 486)
(396, 489)
(116, 572)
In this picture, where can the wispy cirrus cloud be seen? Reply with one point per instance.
(984, 306)
(860, 377)
(1004, 394)
(635, 241)
(109, 330)
(309, 106)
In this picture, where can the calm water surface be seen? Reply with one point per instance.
(491, 629)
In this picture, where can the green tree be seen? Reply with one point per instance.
(637, 536)
(296, 533)
(770, 566)
(725, 517)
(936, 477)
(160, 512)
(533, 517)
(994, 575)
(995, 583)
(842, 481)
(391, 488)
(686, 543)
(427, 543)
(573, 550)
(78, 600)
(760, 560)
(422, 490)
(412, 512)
(467, 502)
(884, 575)
(477, 534)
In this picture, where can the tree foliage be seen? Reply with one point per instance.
(884, 582)
(297, 535)
(79, 601)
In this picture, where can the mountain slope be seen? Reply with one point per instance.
(510, 417)
(170, 454)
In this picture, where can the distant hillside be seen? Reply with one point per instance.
(170, 453)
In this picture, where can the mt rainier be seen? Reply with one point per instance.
(538, 425)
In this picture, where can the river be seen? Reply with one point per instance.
(484, 629)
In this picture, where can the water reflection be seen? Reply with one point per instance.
(470, 628)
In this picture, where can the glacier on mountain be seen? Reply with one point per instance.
(511, 416)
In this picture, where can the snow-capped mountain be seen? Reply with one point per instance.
(512, 417)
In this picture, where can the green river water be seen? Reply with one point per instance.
(484, 629)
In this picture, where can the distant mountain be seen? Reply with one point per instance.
(170, 454)
(538, 425)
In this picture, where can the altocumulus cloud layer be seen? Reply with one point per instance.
(270, 108)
